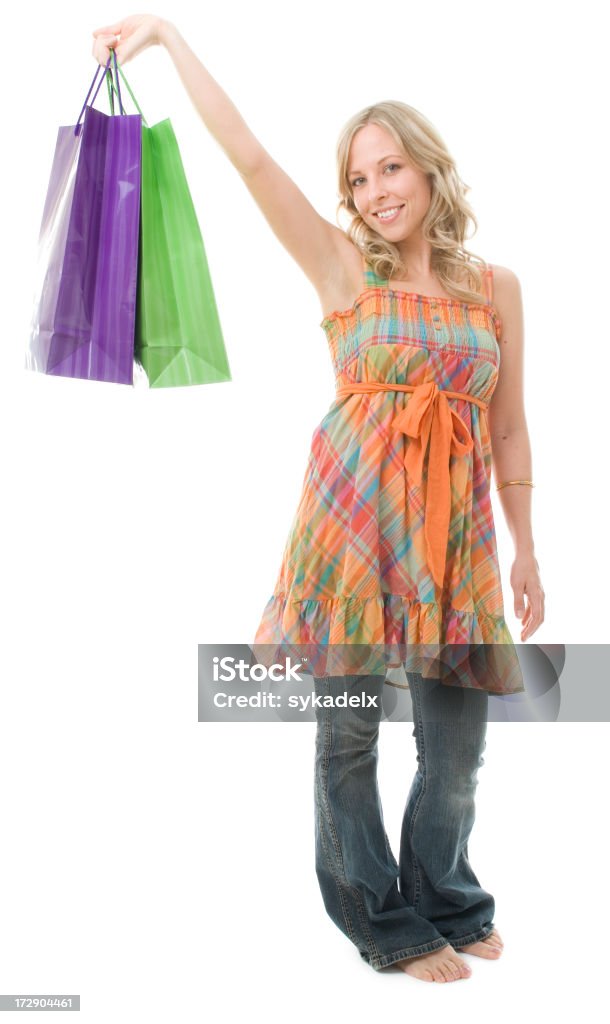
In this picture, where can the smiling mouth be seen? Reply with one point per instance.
(395, 210)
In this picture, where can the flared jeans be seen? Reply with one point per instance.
(431, 897)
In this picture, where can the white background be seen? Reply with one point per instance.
(159, 866)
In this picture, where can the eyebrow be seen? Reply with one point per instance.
(379, 162)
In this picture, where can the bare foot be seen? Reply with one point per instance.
(490, 947)
(439, 965)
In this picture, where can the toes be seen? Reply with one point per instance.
(482, 948)
(462, 970)
(454, 970)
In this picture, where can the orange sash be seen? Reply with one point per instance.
(430, 423)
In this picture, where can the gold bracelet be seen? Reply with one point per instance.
(529, 483)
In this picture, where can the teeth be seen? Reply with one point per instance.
(388, 213)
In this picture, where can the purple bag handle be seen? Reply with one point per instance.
(111, 87)
(106, 71)
(118, 86)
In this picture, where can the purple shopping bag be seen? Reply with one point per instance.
(85, 297)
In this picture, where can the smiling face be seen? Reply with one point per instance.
(382, 178)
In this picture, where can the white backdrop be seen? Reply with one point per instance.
(157, 865)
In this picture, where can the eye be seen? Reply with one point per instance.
(356, 180)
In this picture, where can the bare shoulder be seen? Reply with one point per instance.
(505, 281)
(507, 297)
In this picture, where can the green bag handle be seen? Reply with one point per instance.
(112, 87)
(110, 83)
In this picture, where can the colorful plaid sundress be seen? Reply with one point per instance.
(392, 548)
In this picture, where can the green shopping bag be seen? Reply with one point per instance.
(178, 336)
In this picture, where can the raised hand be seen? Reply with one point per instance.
(127, 37)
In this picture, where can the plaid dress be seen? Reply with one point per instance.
(392, 548)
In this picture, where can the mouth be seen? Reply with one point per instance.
(389, 214)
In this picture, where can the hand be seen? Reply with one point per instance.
(127, 37)
(525, 581)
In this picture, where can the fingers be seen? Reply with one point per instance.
(102, 47)
(534, 615)
(109, 30)
(528, 595)
(134, 37)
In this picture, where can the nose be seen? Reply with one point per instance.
(378, 193)
(377, 190)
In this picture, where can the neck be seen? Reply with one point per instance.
(416, 256)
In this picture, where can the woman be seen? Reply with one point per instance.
(393, 544)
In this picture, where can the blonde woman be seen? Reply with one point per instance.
(393, 542)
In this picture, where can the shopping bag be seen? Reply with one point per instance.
(85, 296)
(178, 335)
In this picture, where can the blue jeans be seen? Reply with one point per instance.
(431, 897)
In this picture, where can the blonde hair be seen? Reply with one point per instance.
(445, 223)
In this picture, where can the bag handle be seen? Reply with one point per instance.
(106, 74)
(97, 71)
(120, 70)
(110, 84)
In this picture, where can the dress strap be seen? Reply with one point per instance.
(488, 278)
(371, 279)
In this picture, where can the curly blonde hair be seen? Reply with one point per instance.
(445, 223)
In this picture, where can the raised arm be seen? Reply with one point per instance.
(313, 242)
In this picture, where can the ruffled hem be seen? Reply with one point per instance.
(350, 636)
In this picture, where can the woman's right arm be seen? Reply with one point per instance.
(314, 243)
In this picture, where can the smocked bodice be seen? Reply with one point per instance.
(404, 338)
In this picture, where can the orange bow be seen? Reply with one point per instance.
(432, 425)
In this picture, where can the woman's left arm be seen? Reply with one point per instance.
(511, 452)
